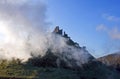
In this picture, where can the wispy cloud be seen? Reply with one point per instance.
(111, 17)
(113, 33)
(101, 27)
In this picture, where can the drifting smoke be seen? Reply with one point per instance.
(24, 30)
(19, 22)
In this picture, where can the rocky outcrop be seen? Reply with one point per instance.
(70, 42)
(57, 30)
(62, 60)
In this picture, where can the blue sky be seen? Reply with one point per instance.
(92, 23)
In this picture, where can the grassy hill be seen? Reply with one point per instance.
(112, 60)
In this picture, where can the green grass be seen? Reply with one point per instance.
(15, 69)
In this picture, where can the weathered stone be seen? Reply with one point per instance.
(58, 31)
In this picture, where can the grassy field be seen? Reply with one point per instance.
(16, 70)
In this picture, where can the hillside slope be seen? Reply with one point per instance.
(112, 60)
